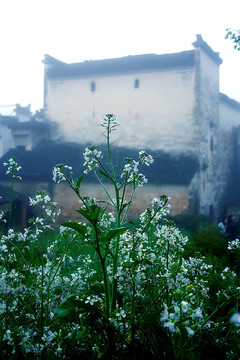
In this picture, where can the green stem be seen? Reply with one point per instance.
(104, 188)
(105, 275)
(42, 304)
(129, 203)
(11, 201)
(115, 257)
(118, 221)
(109, 152)
(42, 288)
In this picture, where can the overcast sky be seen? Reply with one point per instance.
(78, 30)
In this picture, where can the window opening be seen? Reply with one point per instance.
(136, 83)
(211, 143)
(93, 86)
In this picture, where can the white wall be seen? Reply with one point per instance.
(5, 140)
(157, 115)
(207, 117)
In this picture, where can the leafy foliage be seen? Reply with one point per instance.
(109, 289)
(234, 35)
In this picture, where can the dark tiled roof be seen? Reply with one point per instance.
(12, 122)
(233, 103)
(134, 63)
(5, 194)
(38, 164)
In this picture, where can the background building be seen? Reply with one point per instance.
(169, 105)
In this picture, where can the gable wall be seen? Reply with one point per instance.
(206, 182)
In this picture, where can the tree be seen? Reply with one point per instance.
(234, 35)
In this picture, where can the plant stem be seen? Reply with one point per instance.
(11, 201)
(105, 275)
(115, 257)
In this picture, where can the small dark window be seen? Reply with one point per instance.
(211, 143)
(93, 86)
(136, 83)
(21, 147)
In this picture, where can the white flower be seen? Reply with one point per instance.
(190, 331)
(13, 166)
(91, 156)
(184, 306)
(235, 319)
(177, 309)
(58, 351)
(165, 315)
(145, 158)
(170, 326)
(3, 307)
(121, 314)
(157, 202)
(59, 172)
(198, 313)
(234, 244)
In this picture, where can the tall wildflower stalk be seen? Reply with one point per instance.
(106, 245)
(13, 167)
(47, 211)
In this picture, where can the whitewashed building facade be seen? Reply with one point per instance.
(167, 104)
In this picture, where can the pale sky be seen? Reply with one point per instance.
(78, 30)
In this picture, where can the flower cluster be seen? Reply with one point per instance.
(160, 208)
(12, 167)
(40, 199)
(109, 122)
(48, 208)
(59, 172)
(2, 214)
(130, 169)
(145, 158)
(107, 219)
(91, 157)
(182, 315)
(234, 244)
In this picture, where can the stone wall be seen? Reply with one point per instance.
(69, 202)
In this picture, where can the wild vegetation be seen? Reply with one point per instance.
(106, 288)
(234, 36)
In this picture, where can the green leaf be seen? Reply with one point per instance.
(85, 213)
(106, 175)
(93, 213)
(81, 229)
(78, 181)
(114, 232)
(66, 309)
(71, 306)
(81, 334)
